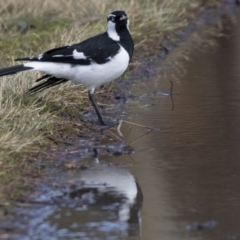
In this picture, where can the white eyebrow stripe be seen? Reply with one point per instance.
(111, 15)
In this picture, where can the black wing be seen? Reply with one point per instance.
(97, 49)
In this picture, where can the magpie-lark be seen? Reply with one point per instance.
(92, 63)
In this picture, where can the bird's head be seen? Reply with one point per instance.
(117, 21)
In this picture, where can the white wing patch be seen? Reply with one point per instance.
(40, 56)
(75, 55)
(78, 55)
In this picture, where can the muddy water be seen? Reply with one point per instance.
(183, 181)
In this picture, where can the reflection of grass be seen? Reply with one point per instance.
(25, 120)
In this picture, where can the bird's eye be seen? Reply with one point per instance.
(112, 19)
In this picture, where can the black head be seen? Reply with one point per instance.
(118, 18)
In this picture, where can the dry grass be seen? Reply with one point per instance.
(25, 120)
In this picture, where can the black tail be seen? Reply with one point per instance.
(13, 70)
(50, 82)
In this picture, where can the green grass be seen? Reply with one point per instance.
(25, 25)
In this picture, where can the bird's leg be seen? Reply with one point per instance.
(91, 98)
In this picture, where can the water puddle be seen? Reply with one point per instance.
(181, 183)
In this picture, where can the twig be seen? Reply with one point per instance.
(171, 91)
(128, 133)
(70, 122)
(144, 150)
(119, 129)
(144, 135)
(57, 141)
(115, 135)
(139, 125)
(109, 127)
(53, 139)
(171, 94)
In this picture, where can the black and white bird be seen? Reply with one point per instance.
(92, 63)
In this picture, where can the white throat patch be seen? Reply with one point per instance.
(111, 31)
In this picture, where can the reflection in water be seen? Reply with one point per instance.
(112, 199)
(102, 201)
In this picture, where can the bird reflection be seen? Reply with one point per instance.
(111, 201)
(104, 203)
